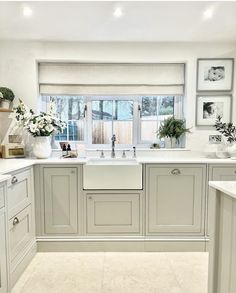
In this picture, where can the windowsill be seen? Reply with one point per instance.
(137, 148)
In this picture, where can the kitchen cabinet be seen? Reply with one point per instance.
(113, 212)
(3, 241)
(20, 233)
(20, 190)
(220, 173)
(175, 198)
(21, 221)
(60, 192)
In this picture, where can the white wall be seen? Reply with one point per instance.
(18, 68)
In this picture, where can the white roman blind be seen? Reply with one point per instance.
(111, 78)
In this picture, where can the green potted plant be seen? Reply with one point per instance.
(172, 129)
(6, 97)
(228, 130)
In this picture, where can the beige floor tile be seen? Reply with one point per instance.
(138, 273)
(64, 273)
(191, 270)
(115, 273)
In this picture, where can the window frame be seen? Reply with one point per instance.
(137, 104)
(89, 100)
(178, 113)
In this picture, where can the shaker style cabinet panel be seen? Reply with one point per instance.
(21, 233)
(2, 196)
(220, 173)
(3, 253)
(223, 173)
(113, 213)
(19, 191)
(21, 221)
(175, 199)
(60, 200)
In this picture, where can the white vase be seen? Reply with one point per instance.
(170, 142)
(42, 147)
(5, 104)
(232, 150)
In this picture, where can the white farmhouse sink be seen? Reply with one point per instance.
(112, 174)
(111, 161)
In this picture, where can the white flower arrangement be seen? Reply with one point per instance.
(43, 124)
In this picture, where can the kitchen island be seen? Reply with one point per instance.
(222, 246)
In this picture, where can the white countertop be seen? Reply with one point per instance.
(4, 178)
(227, 187)
(9, 165)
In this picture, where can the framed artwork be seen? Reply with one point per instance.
(210, 107)
(215, 74)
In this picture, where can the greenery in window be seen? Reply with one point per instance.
(172, 128)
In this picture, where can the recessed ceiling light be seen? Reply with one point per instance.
(27, 11)
(208, 13)
(118, 12)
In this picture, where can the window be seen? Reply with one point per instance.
(94, 119)
(112, 117)
(98, 100)
(153, 111)
(71, 110)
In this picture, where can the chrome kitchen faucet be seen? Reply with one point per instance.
(113, 139)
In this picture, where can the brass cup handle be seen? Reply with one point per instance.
(16, 221)
(14, 180)
(175, 172)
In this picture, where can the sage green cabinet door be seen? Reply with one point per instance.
(60, 200)
(175, 199)
(113, 213)
(3, 254)
(220, 173)
(223, 173)
(21, 233)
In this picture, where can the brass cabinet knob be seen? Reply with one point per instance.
(14, 180)
(16, 221)
(175, 172)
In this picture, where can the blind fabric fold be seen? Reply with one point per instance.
(111, 78)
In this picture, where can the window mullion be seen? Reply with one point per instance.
(136, 122)
(89, 123)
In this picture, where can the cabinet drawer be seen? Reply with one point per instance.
(2, 201)
(223, 173)
(113, 213)
(19, 192)
(20, 232)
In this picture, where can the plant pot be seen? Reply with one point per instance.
(170, 142)
(5, 104)
(42, 147)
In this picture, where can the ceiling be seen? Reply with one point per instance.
(144, 21)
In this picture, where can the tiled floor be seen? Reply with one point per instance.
(115, 273)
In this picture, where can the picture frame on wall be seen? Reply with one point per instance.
(215, 74)
(209, 107)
